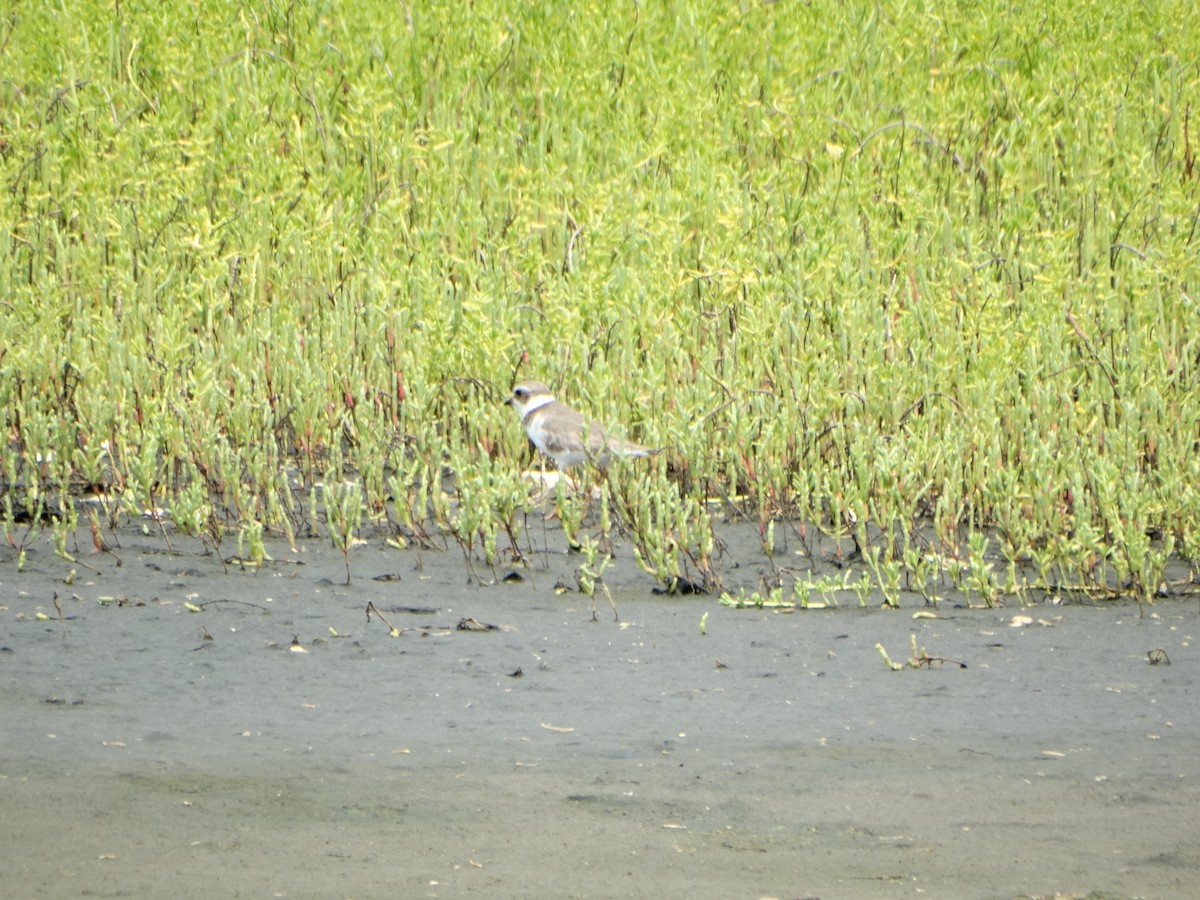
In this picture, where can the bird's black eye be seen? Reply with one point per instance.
(521, 393)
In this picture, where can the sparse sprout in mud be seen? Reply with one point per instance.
(980, 573)
(252, 551)
(828, 586)
(590, 574)
(917, 659)
(33, 512)
(921, 570)
(704, 624)
(887, 575)
(65, 525)
(393, 631)
(887, 660)
(862, 588)
(773, 599)
(343, 514)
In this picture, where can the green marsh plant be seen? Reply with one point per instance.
(590, 574)
(927, 270)
(342, 500)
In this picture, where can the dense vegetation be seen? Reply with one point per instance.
(924, 273)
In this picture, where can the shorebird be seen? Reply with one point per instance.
(559, 431)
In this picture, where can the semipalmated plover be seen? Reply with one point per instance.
(558, 430)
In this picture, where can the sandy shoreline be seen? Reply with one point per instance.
(138, 756)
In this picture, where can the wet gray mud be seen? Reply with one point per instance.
(147, 749)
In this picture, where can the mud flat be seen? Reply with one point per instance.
(149, 748)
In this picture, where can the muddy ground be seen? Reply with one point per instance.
(150, 750)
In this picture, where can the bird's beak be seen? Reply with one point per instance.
(508, 402)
